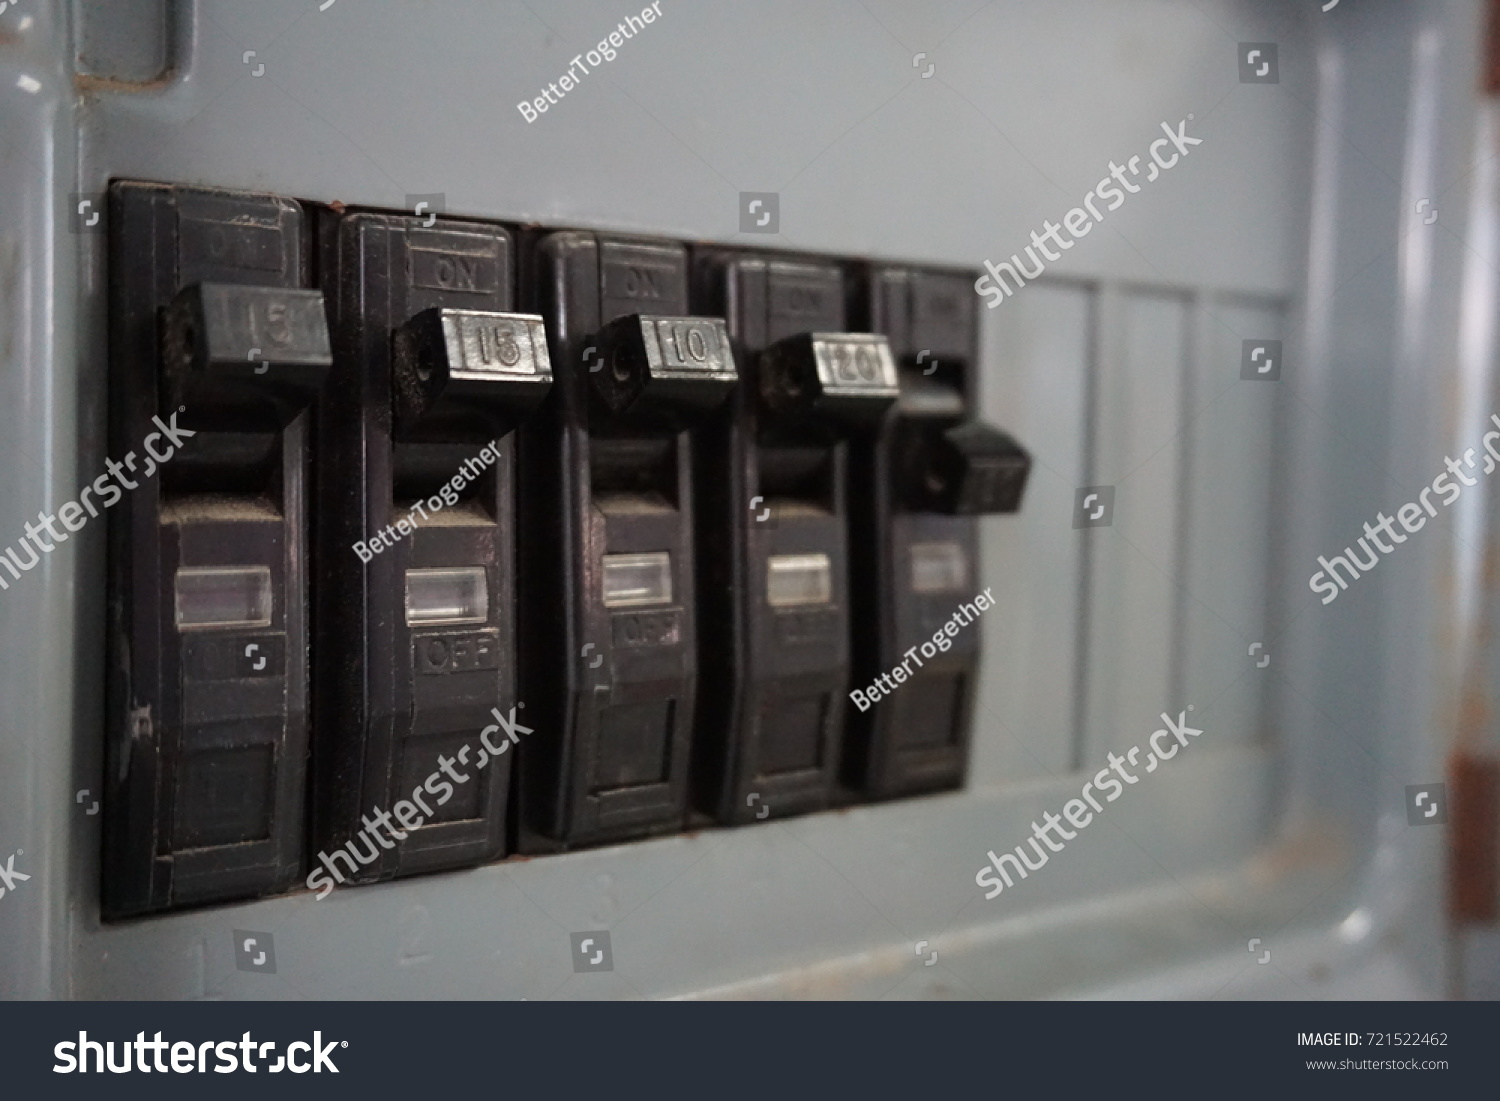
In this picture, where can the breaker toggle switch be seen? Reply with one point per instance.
(930, 471)
(777, 599)
(658, 368)
(839, 377)
(446, 359)
(610, 597)
(964, 470)
(231, 350)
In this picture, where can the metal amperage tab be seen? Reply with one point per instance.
(664, 365)
(245, 348)
(449, 357)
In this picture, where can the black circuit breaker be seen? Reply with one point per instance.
(417, 710)
(921, 483)
(609, 550)
(217, 346)
(774, 527)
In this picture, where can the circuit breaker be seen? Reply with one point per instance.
(217, 347)
(609, 594)
(416, 632)
(933, 468)
(776, 596)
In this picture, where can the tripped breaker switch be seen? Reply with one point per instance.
(930, 472)
(238, 348)
(964, 469)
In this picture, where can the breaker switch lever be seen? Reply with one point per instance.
(844, 377)
(965, 469)
(447, 359)
(665, 368)
(237, 349)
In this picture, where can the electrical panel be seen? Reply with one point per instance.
(506, 539)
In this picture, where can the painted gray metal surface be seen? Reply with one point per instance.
(1283, 823)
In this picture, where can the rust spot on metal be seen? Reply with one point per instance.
(1473, 838)
(89, 85)
(1491, 61)
(1474, 714)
